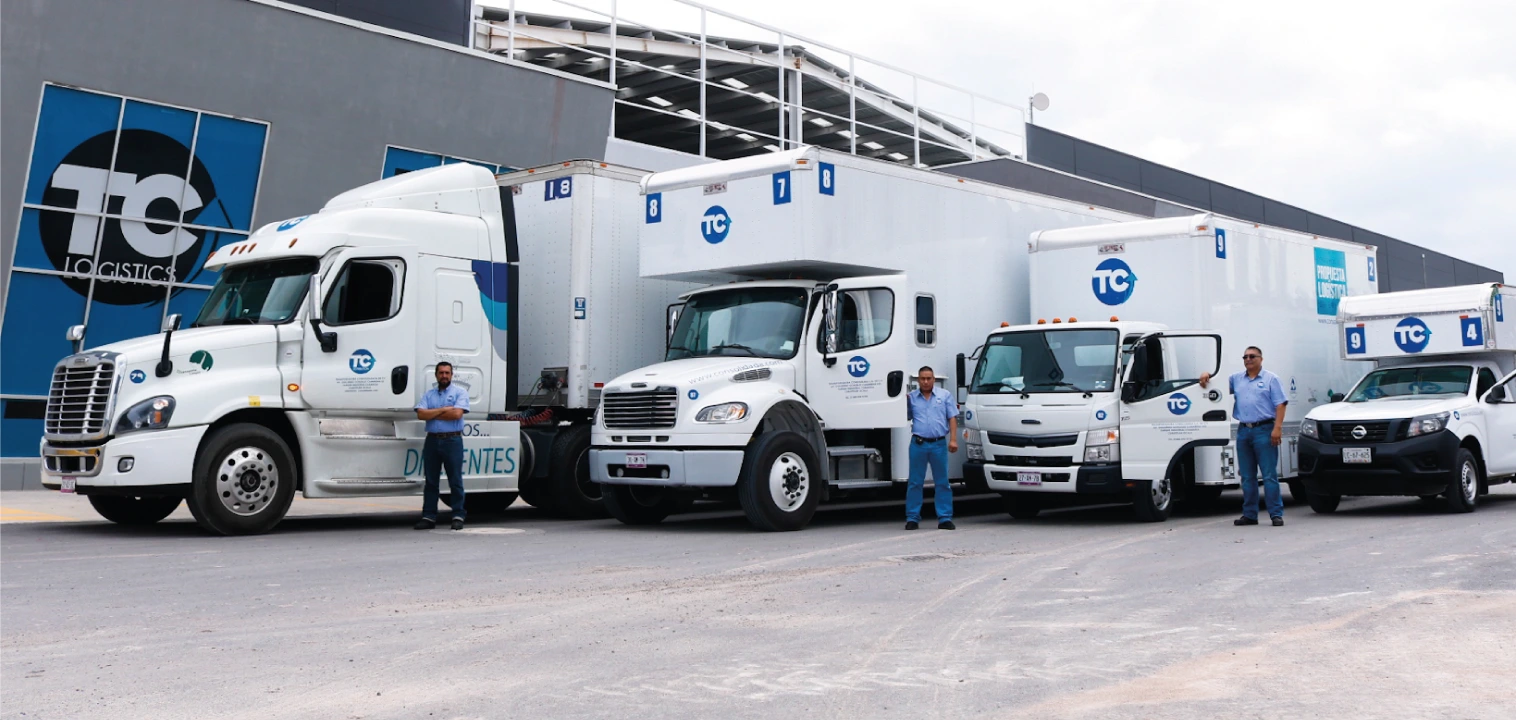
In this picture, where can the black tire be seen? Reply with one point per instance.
(1323, 503)
(1203, 498)
(1153, 501)
(534, 492)
(1298, 493)
(1022, 506)
(1430, 499)
(244, 480)
(124, 510)
(781, 464)
(572, 491)
(638, 504)
(492, 503)
(1462, 495)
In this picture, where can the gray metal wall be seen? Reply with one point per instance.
(445, 20)
(1401, 265)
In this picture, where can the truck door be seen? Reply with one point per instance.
(1499, 405)
(855, 372)
(1164, 411)
(453, 328)
(367, 300)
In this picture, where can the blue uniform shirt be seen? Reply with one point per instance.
(929, 415)
(1256, 399)
(453, 396)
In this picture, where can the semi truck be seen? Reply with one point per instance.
(1098, 400)
(321, 332)
(1435, 417)
(829, 280)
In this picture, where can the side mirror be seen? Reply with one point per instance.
(327, 339)
(672, 322)
(75, 335)
(829, 326)
(960, 388)
(1129, 390)
(1337, 397)
(1497, 395)
(171, 323)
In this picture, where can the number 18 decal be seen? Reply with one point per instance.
(560, 188)
(827, 178)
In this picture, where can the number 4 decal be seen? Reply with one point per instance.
(1473, 331)
(827, 179)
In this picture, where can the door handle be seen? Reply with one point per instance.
(894, 382)
(1214, 416)
(399, 378)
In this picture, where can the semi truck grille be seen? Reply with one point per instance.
(1034, 460)
(1037, 441)
(648, 409)
(79, 400)
(1342, 432)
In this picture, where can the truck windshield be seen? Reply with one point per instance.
(1048, 361)
(746, 322)
(257, 293)
(1413, 382)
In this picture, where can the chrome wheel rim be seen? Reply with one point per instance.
(247, 480)
(1468, 482)
(789, 482)
(1162, 492)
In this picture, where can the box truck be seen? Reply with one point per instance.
(321, 332)
(1099, 399)
(830, 280)
(1435, 417)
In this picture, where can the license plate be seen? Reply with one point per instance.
(636, 460)
(1028, 478)
(70, 484)
(1357, 455)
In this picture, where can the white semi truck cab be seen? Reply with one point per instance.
(1436, 417)
(301, 371)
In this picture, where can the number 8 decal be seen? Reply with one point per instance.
(654, 208)
(828, 178)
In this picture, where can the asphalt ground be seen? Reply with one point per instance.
(1386, 609)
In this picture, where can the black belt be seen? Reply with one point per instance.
(921, 439)
(1269, 421)
(454, 433)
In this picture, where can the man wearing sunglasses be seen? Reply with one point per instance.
(1258, 407)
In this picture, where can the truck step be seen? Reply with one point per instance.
(851, 451)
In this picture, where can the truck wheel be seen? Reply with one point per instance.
(489, 502)
(1298, 493)
(144, 510)
(779, 487)
(638, 504)
(1153, 499)
(1022, 506)
(534, 492)
(1463, 490)
(573, 493)
(1203, 498)
(1324, 504)
(244, 481)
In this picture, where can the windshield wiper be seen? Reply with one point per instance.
(682, 349)
(1056, 383)
(735, 346)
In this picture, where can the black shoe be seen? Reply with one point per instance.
(425, 524)
(1246, 521)
(946, 525)
(911, 525)
(1278, 522)
(457, 523)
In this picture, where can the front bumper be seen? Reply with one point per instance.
(1415, 466)
(1073, 479)
(159, 458)
(716, 467)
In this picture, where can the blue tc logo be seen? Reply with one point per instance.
(1412, 335)
(1113, 281)
(715, 224)
(361, 361)
(857, 366)
(1179, 404)
(694, 394)
(287, 224)
(138, 376)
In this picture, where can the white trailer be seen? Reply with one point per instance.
(1436, 417)
(838, 277)
(322, 332)
(1098, 397)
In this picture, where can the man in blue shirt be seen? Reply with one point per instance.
(934, 428)
(1258, 406)
(442, 408)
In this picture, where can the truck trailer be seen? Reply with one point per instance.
(301, 371)
(830, 280)
(1098, 399)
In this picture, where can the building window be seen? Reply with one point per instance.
(399, 161)
(926, 320)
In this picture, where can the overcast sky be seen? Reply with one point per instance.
(1398, 118)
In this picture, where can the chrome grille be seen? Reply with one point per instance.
(648, 409)
(78, 404)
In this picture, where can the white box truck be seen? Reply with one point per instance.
(1436, 417)
(321, 332)
(1099, 398)
(835, 279)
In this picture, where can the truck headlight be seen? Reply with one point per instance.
(723, 413)
(971, 445)
(1308, 428)
(1104, 446)
(150, 414)
(1427, 424)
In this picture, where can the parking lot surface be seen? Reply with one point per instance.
(1386, 609)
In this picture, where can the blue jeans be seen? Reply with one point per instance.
(1255, 452)
(936, 454)
(437, 453)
